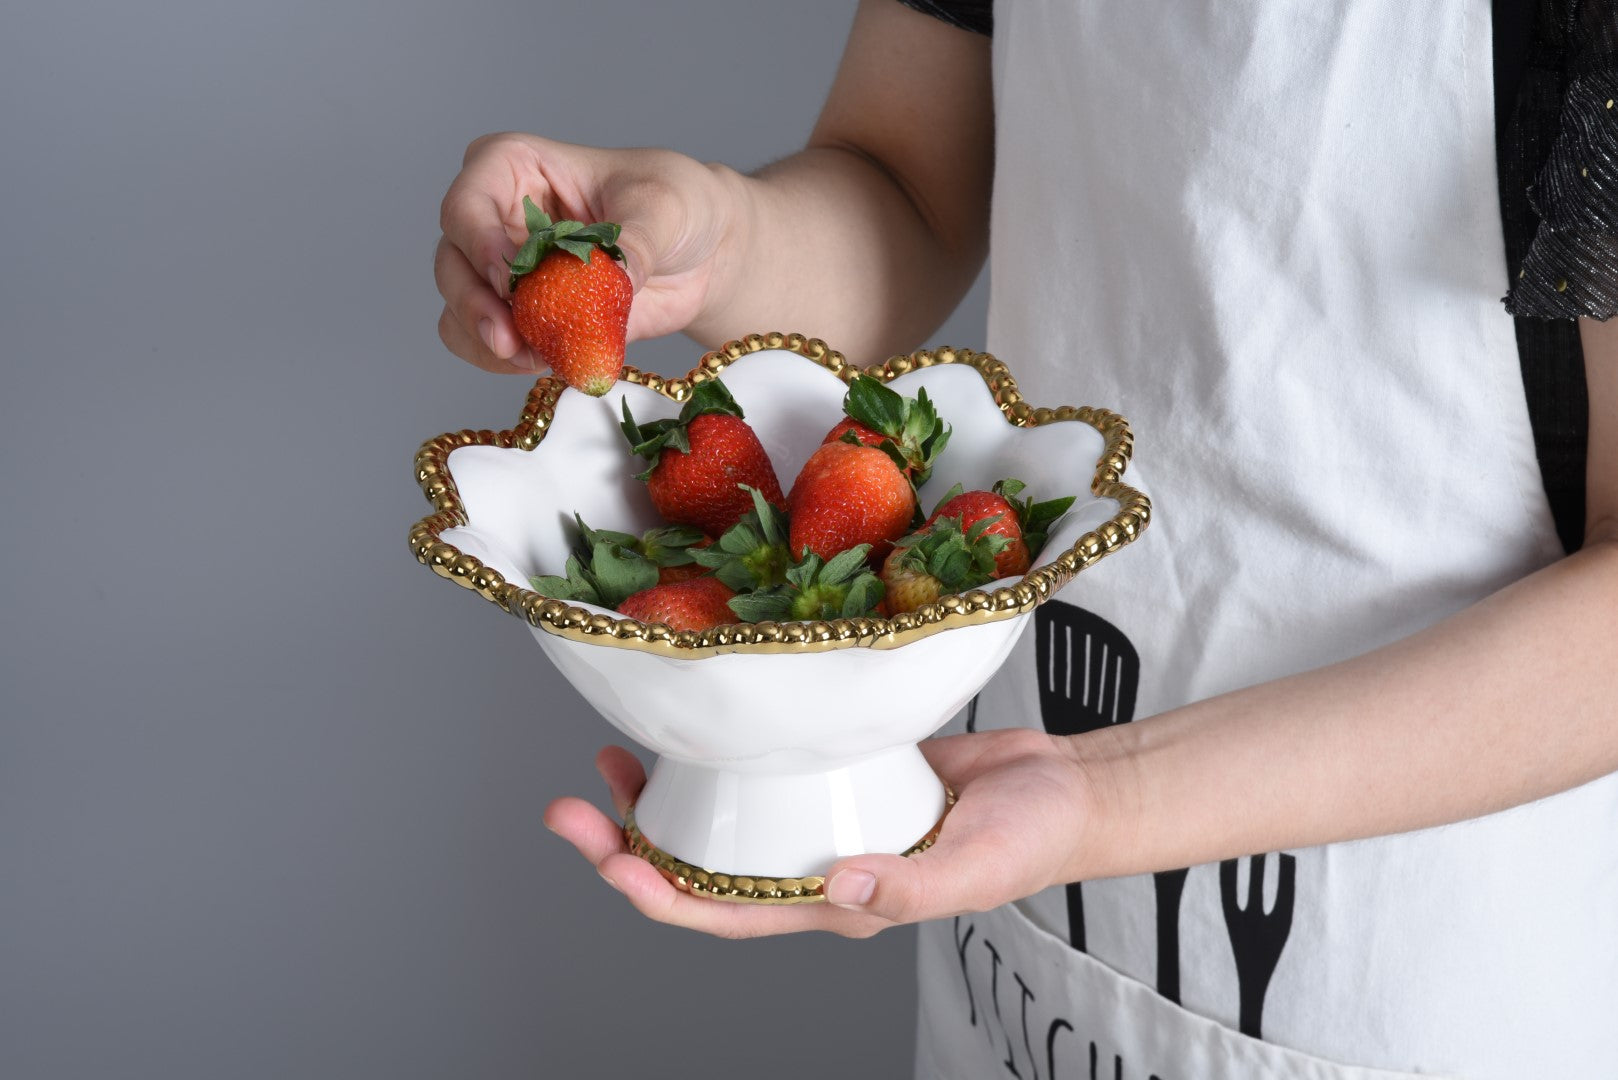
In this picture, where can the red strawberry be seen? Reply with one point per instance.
(570, 299)
(907, 428)
(866, 435)
(941, 558)
(702, 459)
(1024, 523)
(683, 605)
(848, 494)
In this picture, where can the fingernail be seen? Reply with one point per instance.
(851, 888)
(526, 361)
(608, 880)
(486, 332)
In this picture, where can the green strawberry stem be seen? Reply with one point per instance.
(606, 568)
(574, 237)
(752, 554)
(843, 588)
(649, 440)
(914, 435)
(959, 560)
(1036, 518)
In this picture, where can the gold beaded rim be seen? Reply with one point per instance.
(967, 609)
(750, 888)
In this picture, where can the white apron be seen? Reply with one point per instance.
(1268, 233)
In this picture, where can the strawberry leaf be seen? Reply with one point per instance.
(864, 594)
(649, 440)
(845, 565)
(913, 434)
(671, 545)
(958, 489)
(536, 219)
(577, 585)
(751, 554)
(875, 405)
(576, 248)
(764, 606)
(1036, 518)
(589, 538)
(619, 573)
(574, 237)
(959, 561)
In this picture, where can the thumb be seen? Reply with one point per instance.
(635, 241)
(944, 880)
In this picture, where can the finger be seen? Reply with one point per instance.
(483, 315)
(458, 341)
(581, 824)
(624, 774)
(481, 215)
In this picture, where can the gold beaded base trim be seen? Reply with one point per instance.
(748, 888)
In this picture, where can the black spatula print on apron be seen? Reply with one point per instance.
(1088, 675)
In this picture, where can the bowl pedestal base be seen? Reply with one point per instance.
(766, 836)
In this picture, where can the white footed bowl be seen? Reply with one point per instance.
(781, 747)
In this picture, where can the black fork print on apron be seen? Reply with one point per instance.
(1088, 675)
(1256, 936)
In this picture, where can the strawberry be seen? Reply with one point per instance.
(907, 429)
(697, 604)
(570, 298)
(842, 588)
(941, 558)
(1023, 522)
(849, 494)
(701, 461)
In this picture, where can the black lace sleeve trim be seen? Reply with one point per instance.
(1571, 266)
(974, 15)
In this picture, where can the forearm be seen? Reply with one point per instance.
(1456, 722)
(827, 242)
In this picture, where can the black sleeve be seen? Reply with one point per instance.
(974, 15)
(1571, 265)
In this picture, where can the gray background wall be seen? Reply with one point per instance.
(270, 792)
